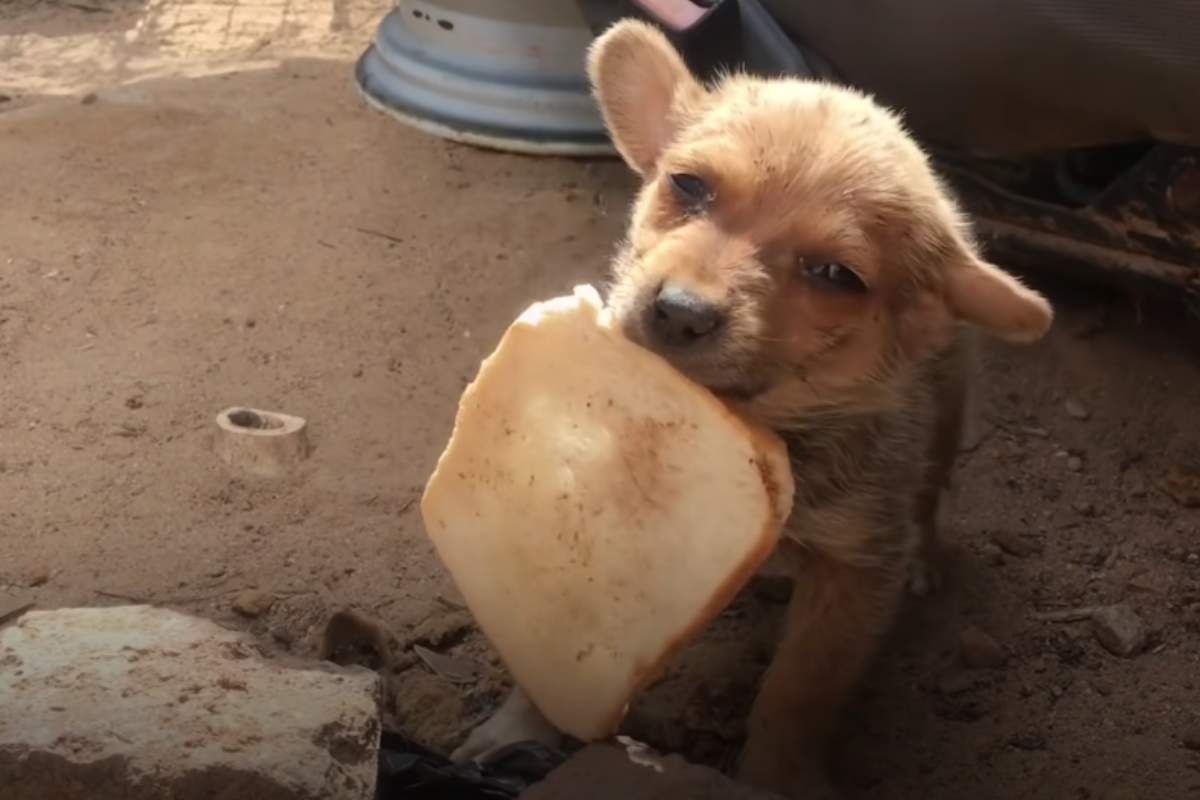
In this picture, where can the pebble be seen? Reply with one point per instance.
(1075, 463)
(253, 603)
(1191, 738)
(39, 576)
(955, 683)
(1016, 545)
(1119, 629)
(1076, 409)
(1029, 742)
(980, 650)
(1144, 583)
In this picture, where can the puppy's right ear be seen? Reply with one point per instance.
(644, 90)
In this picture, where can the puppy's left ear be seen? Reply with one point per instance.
(644, 90)
(982, 294)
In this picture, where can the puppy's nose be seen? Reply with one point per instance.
(680, 318)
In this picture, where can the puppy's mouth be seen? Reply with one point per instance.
(712, 364)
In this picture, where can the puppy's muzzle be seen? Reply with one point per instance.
(679, 319)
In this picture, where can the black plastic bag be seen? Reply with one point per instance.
(408, 771)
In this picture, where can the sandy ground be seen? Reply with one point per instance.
(235, 227)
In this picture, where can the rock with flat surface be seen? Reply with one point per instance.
(633, 772)
(134, 703)
(1119, 629)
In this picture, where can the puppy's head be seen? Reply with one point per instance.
(790, 245)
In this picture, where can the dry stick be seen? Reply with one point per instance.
(381, 235)
(87, 9)
(1066, 614)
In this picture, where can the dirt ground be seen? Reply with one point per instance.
(197, 211)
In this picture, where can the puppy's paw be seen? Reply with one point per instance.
(924, 577)
(517, 720)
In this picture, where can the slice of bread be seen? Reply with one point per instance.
(596, 509)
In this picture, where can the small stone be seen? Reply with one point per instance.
(980, 650)
(89, 98)
(1183, 484)
(1084, 509)
(953, 683)
(1192, 558)
(39, 576)
(1144, 582)
(1016, 545)
(1119, 629)
(1191, 738)
(1076, 409)
(253, 603)
(1075, 463)
(1030, 742)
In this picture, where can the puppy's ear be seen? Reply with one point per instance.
(984, 295)
(644, 90)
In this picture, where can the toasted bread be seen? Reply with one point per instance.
(596, 508)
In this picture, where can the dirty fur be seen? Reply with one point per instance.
(843, 288)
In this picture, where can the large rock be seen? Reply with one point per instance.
(136, 702)
(633, 772)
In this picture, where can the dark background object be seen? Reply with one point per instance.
(1018, 76)
(408, 771)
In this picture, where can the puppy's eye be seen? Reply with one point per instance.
(834, 275)
(690, 190)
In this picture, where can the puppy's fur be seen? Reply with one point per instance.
(752, 189)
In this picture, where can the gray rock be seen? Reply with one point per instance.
(633, 772)
(1076, 409)
(980, 650)
(135, 703)
(1119, 629)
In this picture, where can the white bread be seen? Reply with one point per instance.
(596, 509)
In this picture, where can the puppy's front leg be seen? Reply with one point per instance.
(837, 615)
(517, 720)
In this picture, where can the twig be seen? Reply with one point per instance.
(1066, 614)
(86, 8)
(381, 235)
(118, 596)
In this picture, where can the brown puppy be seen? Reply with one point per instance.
(792, 250)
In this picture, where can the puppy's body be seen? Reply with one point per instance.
(792, 250)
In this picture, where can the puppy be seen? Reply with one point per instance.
(792, 250)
